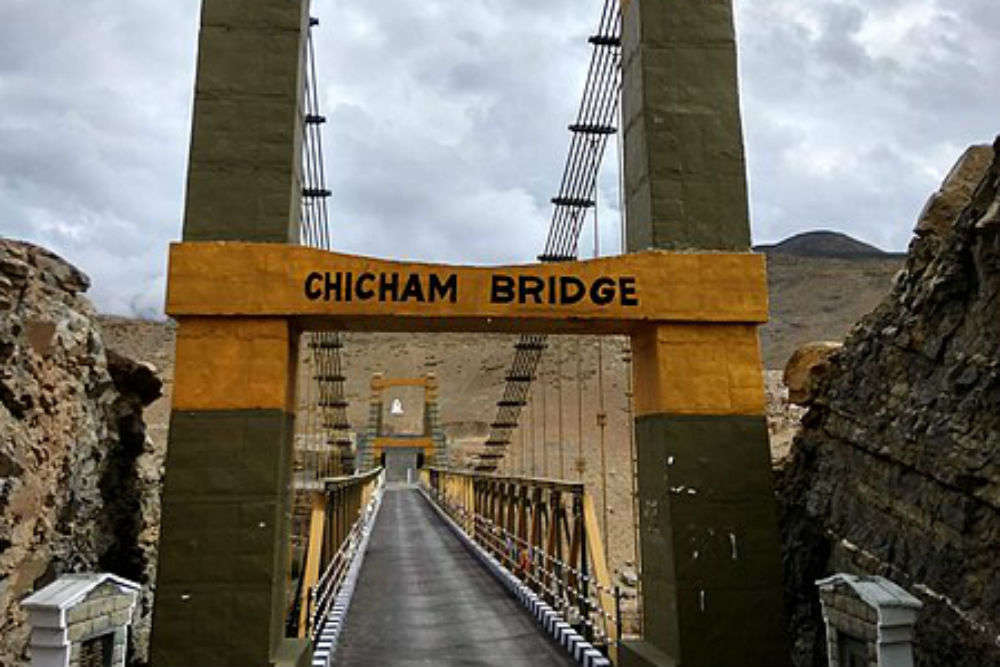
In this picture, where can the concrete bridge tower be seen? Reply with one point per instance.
(711, 577)
(220, 593)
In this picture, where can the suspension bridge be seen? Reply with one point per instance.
(291, 536)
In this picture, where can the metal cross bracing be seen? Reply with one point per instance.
(325, 347)
(595, 123)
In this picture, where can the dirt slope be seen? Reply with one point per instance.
(820, 298)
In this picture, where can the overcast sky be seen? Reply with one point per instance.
(447, 122)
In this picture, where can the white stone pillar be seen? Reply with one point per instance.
(870, 610)
(76, 609)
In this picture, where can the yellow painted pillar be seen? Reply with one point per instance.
(698, 369)
(711, 572)
(223, 556)
(224, 540)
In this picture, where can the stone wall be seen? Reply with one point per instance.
(79, 483)
(104, 610)
(897, 469)
(846, 612)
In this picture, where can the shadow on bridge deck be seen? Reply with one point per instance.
(422, 599)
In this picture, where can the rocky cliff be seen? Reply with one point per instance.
(79, 482)
(897, 469)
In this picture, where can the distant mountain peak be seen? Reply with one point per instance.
(822, 243)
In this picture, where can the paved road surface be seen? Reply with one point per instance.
(422, 599)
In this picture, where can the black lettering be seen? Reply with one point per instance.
(313, 293)
(502, 289)
(529, 286)
(602, 292)
(445, 290)
(333, 286)
(362, 292)
(413, 289)
(566, 297)
(553, 293)
(348, 287)
(627, 286)
(388, 286)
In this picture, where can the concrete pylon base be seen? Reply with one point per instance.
(640, 653)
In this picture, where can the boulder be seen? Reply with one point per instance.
(806, 367)
(943, 207)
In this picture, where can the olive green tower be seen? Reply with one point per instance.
(711, 577)
(220, 590)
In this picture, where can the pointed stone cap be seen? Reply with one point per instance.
(69, 589)
(895, 606)
(874, 590)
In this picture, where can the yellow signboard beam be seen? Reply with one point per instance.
(379, 383)
(325, 290)
(391, 443)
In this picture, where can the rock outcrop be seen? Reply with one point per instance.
(945, 205)
(79, 490)
(783, 417)
(897, 469)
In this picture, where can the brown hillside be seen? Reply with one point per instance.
(822, 243)
(820, 298)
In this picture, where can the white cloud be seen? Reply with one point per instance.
(93, 136)
(909, 32)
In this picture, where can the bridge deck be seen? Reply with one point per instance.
(422, 599)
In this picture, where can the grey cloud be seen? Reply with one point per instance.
(468, 175)
(447, 123)
(894, 123)
(93, 136)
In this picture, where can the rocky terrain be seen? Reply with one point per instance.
(79, 480)
(897, 469)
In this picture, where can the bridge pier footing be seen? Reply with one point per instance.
(640, 653)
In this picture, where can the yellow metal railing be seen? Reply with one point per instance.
(546, 533)
(336, 517)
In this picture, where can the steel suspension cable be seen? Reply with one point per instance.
(595, 122)
(326, 347)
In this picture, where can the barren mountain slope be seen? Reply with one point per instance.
(820, 298)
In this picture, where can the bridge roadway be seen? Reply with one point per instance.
(423, 599)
